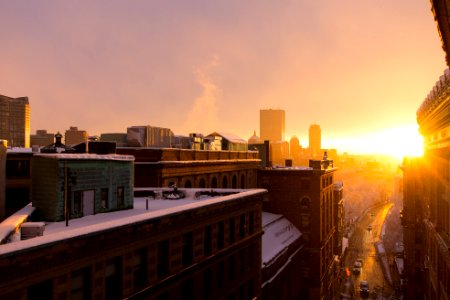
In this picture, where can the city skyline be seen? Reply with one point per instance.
(195, 67)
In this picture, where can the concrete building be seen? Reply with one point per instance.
(305, 196)
(149, 136)
(3, 149)
(15, 121)
(200, 245)
(272, 124)
(315, 138)
(279, 152)
(74, 136)
(68, 186)
(119, 138)
(42, 138)
(193, 168)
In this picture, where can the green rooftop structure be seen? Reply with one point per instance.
(67, 186)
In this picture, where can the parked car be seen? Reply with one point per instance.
(357, 266)
(364, 289)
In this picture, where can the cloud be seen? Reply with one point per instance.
(204, 114)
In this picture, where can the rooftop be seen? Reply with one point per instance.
(157, 207)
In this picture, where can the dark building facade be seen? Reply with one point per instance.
(305, 197)
(18, 180)
(196, 248)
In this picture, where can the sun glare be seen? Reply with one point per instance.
(397, 142)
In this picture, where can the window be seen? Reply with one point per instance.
(207, 283)
(220, 235)
(41, 290)
(113, 279)
(234, 182)
(242, 181)
(242, 226)
(305, 203)
(214, 183)
(220, 274)
(187, 289)
(188, 184)
(232, 230)
(163, 258)
(251, 222)
(231, 267)
(77, 203)
(202, 183)
(120, 196)
(17, 168)
(80, 284)
(225, 182)
(208, 240)
(305, 221)
(187, 254)
(104, 198)
(140, 268)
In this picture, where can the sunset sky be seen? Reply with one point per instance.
(359, 68)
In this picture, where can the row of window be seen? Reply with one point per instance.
(327, 180)
(237, 227)
(214, 183)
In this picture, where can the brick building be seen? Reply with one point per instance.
(193, 168)
(42, 138)
(305, 196)
(426, 200)
(18, 179)
(152, 251)
(74, 136)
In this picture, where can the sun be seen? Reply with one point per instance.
(397, 142)
(401, 141)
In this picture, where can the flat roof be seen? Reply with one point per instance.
(57, 231)
(86, 156)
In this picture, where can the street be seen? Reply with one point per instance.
(361, 246)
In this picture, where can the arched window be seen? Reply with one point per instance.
(202, 183)
(242, 181)
(225, 182)
(214, 182)
(305, 203)
(234, 182)
(188, 184)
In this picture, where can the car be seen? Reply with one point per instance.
(364, 289)
(357, 267)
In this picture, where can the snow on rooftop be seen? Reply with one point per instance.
(279, 233)
(10, 224)
(87, 156)
(19, 150)
(56, 231)
(230, 137)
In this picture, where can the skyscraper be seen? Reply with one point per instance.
(15, 121)
(271, 124)
(315, 137)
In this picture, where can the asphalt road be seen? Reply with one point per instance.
(361, 246)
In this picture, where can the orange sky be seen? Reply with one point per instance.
(354, 67)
